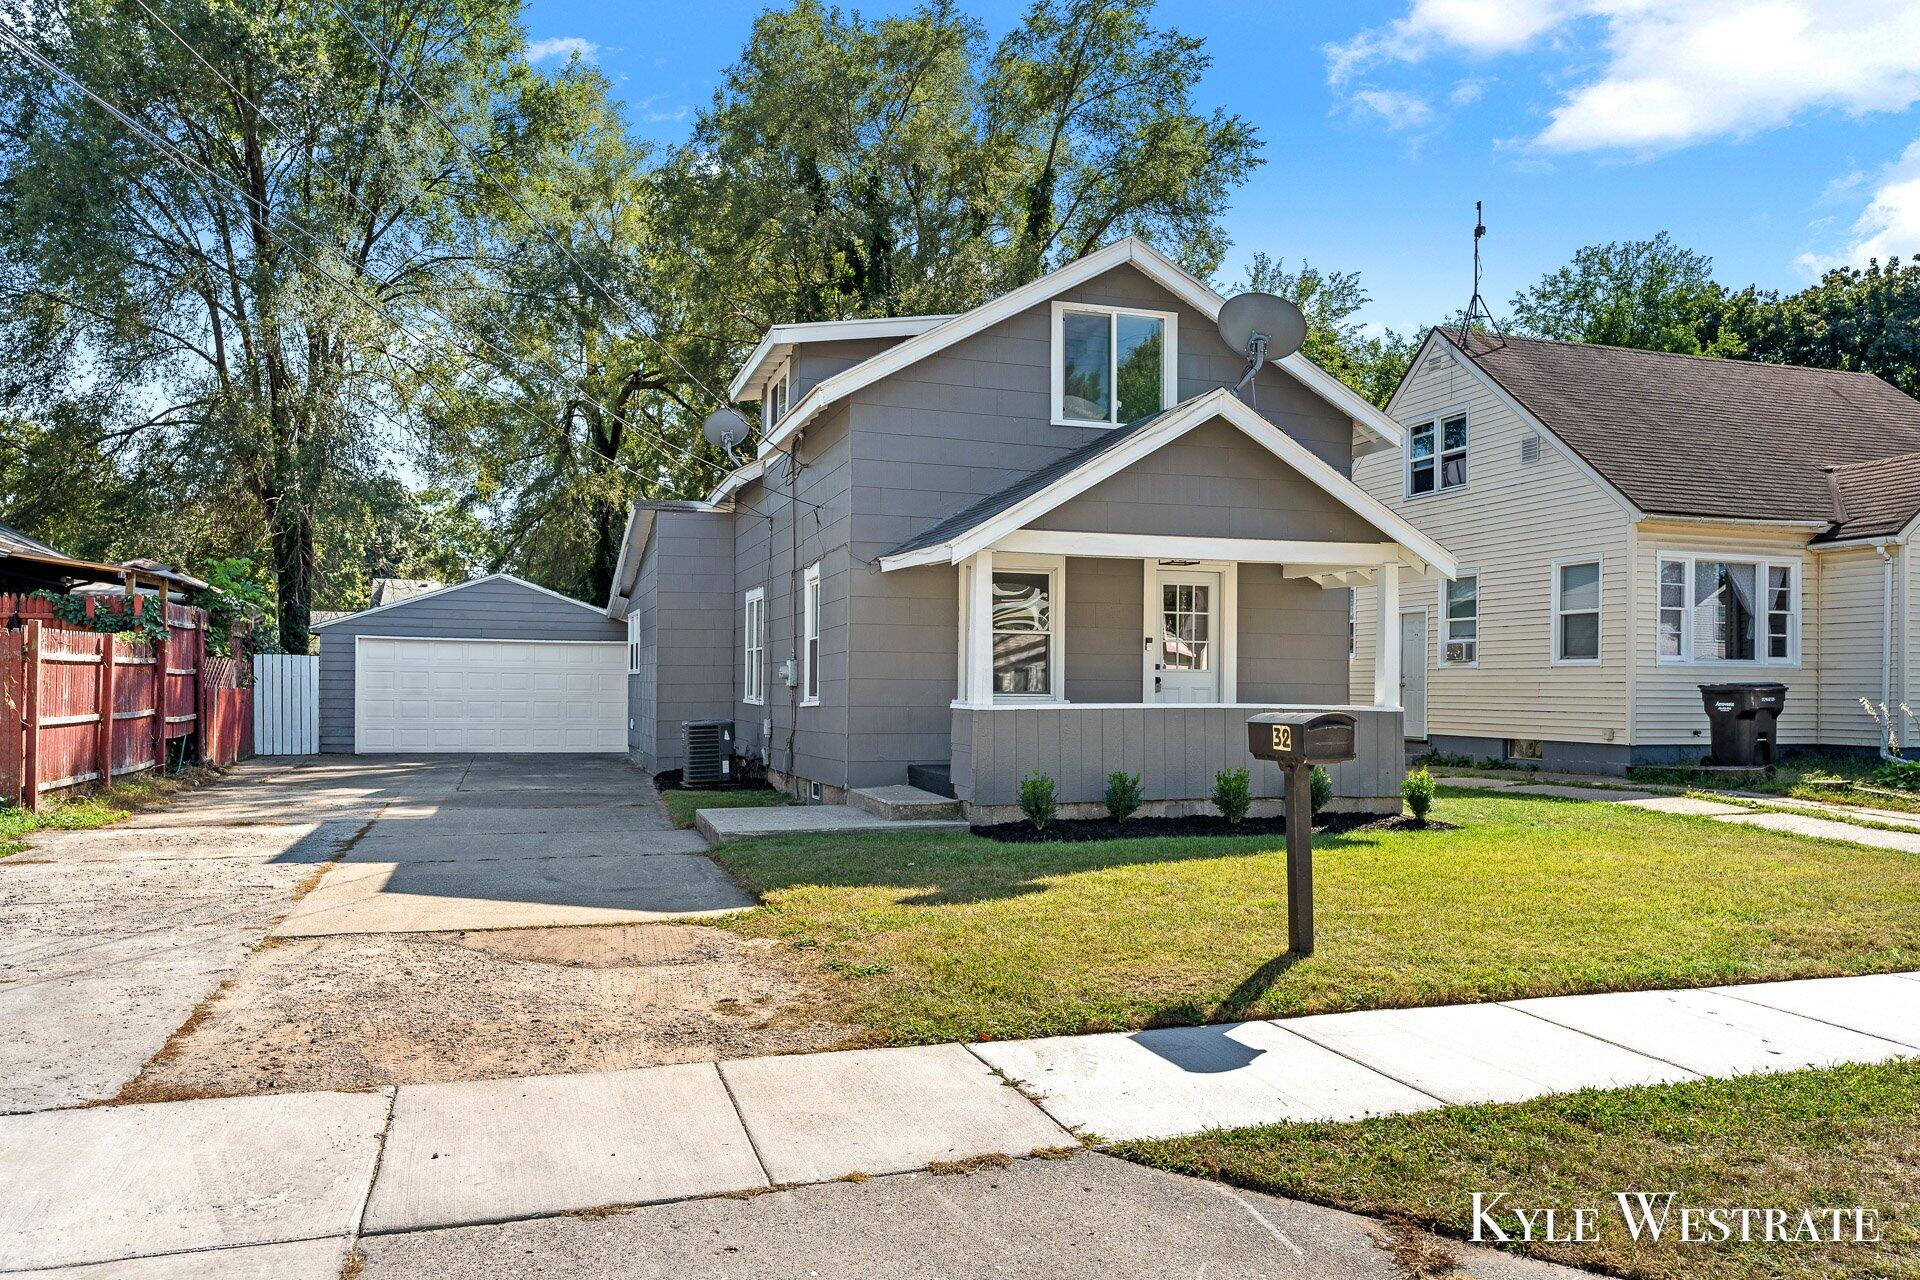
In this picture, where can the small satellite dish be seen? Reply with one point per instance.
(1262, 327)
(725, 428)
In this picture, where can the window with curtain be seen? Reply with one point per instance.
(1114, 365)
(1722, 609)
(1463, 620)
(1023, 625)
(1576, 608)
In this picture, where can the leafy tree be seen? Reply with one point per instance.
(1653, 294)
(1864, 319)
(216, 308)
(1371, 364)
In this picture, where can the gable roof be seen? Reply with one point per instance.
(14, 542)
(1039, 492)
(1878, 498)
(780, 340)
(1699, 436)
(451, 589)
(1132, 250)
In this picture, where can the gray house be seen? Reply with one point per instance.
(1040, 535)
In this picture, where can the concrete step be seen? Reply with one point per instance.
(937, 778)
(903, 803)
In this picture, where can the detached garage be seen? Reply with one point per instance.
(492, 665)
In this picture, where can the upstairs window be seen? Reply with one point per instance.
(1437, 455)
(1722, 609)
(773, 400)
(1110, 366)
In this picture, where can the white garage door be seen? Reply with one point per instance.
(488, 695)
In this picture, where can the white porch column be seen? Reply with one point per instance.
(1386, 638)
(979, 638)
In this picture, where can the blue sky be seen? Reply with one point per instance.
(1772, 135)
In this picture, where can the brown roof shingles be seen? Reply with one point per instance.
(1697, 436)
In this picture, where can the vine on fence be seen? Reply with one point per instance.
(115, 614)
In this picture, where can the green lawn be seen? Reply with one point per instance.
(1839, 1137)
(944, 937)
(63, 815)
(682, 804)
(1837, 779)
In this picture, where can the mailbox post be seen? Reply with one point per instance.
(1297, 741)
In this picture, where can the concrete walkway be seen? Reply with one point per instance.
(1795, 817)
(284, 1185)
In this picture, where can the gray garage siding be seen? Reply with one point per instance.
(486, 609)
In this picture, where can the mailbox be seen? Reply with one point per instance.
(1291, 738)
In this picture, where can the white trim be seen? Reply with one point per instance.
(1219, 403)
(462, 586)
(810, 636)
(1161, 269)
(962, 705)
(1151, 546)
(1445, 635)
(1556, 612)
(1055, 567)
(1226, 639)
(1437, 424)
(1762, 564)
(738, 478)
(633, 644)
(620, 564)
(1169, 361)
(791, 335)
(371, 635)
(752, 644)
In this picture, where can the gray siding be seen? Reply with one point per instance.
(1176, 750)
(943, 433)
(483, 610)
(1105, 624)
(1293, 639)
(684, 597)
(815, 362)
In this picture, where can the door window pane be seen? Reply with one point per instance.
(1139, 345)
(1086, 367)
(1186, 643)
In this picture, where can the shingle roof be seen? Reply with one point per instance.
(1877, 498)
(12, 542)
(988, 507)
(1696, 436)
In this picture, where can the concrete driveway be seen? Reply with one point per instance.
(514, 842)
(111, 939)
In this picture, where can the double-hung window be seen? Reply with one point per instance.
(773, 400)
(1025, 633)
(1576, 611)
(1110, 366)
(1437, 455)
(1460, 642)
(1729, 609)
(810, 652)
(753, 629)
(633, 642)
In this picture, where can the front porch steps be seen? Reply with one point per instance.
(904, 803)
(723, 826)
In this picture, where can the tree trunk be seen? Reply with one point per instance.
(293, 572)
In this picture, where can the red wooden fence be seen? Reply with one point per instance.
(80, 706)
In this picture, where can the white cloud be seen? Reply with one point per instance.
(1676, 72)
(1889, 226)
(561, 47)
(1398, 110)
(1467, 92)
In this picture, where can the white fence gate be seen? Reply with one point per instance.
(286, 704)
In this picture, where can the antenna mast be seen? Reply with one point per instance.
(1477, 309)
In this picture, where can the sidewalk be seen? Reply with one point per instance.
(286, 1184)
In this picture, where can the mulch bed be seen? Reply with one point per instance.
(1077, 830)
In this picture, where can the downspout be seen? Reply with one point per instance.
(1886, 648)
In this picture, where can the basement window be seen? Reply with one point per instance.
(1525, 749)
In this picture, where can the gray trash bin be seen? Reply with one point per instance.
(1744, 719)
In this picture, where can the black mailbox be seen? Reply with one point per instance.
(1301, 737)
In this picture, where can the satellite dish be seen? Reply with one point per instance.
(1262, 327)
(725, 428)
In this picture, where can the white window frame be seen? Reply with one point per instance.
(1763, 566)
(1055, 567)
(753, 646)
(1555, 587)
(773, 408)
(1445, 630)
(1169, 361)
(810, 638)
(1436, 423)
(633, 643)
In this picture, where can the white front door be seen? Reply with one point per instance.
(1413, 672)
(1187, 660)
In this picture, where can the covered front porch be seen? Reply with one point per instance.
(1126, 610)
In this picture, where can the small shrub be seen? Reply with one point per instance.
(1319, 789)
(1123, 795)
(1233, 793)
(1418, 790)
(1036, 800)
(1443, 759)
(1902, 775)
